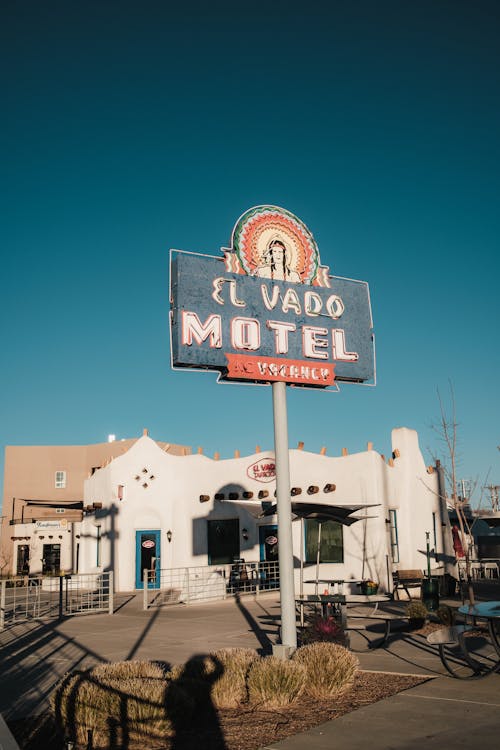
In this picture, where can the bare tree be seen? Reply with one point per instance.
(447, 431)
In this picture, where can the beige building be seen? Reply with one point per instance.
(43, 498)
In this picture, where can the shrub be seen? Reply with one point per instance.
(128, 669)
(416, 611)
(219, 677)
(132, 697)
(231, 687)
(196, 677)
(320, 628)
(274, 682)
(330, 668)
(445, 615)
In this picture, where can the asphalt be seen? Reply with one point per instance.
(441, 712)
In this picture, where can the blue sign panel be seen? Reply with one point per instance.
(269, 311)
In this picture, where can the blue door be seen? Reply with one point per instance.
(269, 567)
(147, 557)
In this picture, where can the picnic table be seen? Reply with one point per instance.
(340, 606)
(471, 650)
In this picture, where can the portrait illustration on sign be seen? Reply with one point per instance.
(272, 243)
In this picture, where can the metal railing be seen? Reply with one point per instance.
(40, 597)
(208, 583)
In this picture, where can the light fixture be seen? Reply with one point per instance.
(244, 534)
(169, 536)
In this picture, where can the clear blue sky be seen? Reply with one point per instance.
(129, 128)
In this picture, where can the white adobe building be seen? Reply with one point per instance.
(171, 511)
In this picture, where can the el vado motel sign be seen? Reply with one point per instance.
(268, 312)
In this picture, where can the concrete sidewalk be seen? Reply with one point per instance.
(33, 657)
(441, 713)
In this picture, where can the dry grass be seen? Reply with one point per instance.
(127, 669)
(231, 688)
(135, 696)
(274, 683)
(330, 668)
(242, 728)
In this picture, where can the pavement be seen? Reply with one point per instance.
(441, 712)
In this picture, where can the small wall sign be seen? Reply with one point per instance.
(263, 470)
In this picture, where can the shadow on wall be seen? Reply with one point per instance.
(228, 529)
(112, 535)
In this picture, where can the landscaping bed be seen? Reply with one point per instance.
(241, 728)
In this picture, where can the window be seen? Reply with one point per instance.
(51, 561)
(434, 531)
(331, 545)
(60, 480)
(23, 560)
(394, 536)
(98, 545)
(223, 541)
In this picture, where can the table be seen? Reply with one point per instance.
(338, 603)
(489, 611)
(337, 583)
(360, 599)
(462, 648)
(332, 601)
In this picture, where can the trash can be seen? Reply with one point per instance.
(430, 593)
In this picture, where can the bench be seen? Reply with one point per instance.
(456, 658)
(448, 636)
(406, 580)
(387, 618)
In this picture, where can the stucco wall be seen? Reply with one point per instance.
(171, 501)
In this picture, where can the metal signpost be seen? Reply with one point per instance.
(267, 312)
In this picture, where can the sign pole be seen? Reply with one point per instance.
(284, 510)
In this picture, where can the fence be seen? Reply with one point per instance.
(40, 597)
(206, 583)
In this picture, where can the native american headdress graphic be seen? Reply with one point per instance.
(264, 233)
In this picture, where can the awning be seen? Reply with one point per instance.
(340, 512)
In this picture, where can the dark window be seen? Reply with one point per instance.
(23, 560)
(394, 536)
(223, 541)
(331, 545)
(51, 563)
(98, 546)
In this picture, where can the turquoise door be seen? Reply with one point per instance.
(269, 571)
(147, 557)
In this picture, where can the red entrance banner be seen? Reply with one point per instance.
(248, 367)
